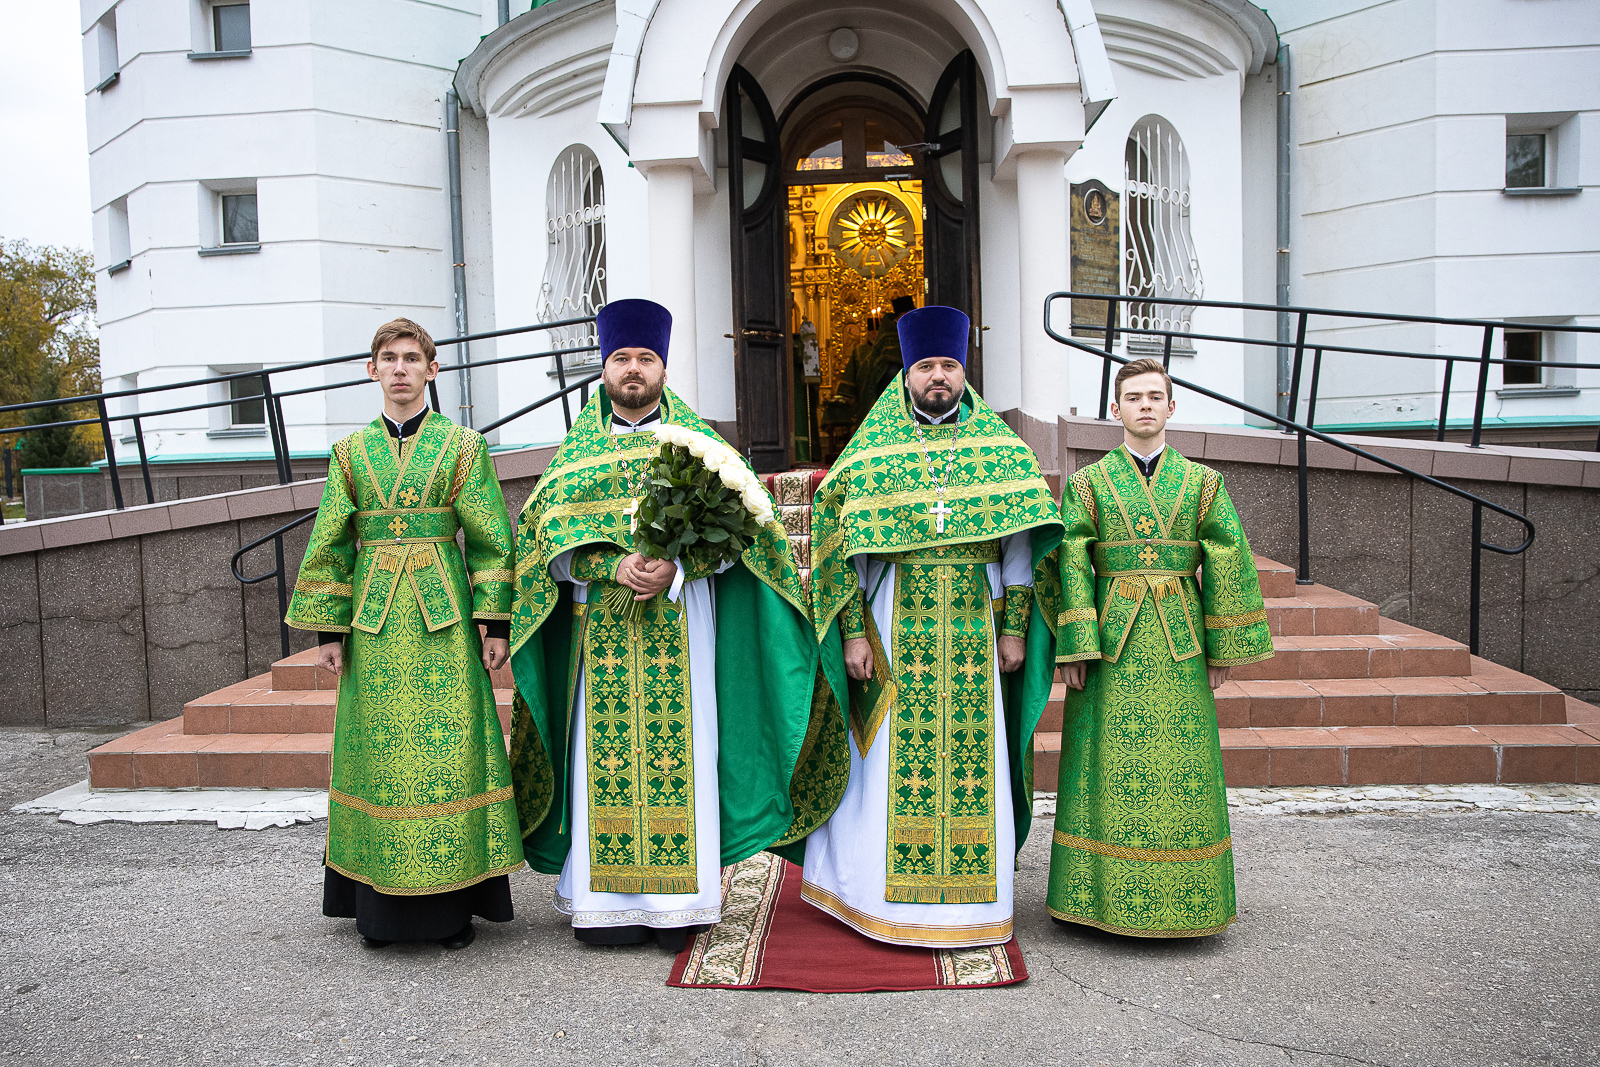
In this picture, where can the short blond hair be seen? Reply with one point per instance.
(1146, 365)
(398, 328)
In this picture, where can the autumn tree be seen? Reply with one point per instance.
(49, 349)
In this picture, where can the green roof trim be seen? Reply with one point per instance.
(1489, 422)
(26, 471)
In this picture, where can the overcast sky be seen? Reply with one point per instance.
(44, 179)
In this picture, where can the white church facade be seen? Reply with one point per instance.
(272, 180)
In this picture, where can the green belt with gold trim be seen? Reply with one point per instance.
(407, 525)
(1149, 556)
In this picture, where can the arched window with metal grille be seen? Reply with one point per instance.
(1159, 257)
(574, 282)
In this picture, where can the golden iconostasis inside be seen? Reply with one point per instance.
(853, 248)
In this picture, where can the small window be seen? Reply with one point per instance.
(239, 225)
(1525, 160)
(826, 151)
(1527, 347)
(881, 151)
(230, 24)
(120, 247)
(105, 38)
(248, 407)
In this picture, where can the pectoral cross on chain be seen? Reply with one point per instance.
(939, 511)
(632, 512)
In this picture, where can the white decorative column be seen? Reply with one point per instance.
(1043, 248)
(671, 203)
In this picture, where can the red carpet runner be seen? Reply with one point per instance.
(771, 939)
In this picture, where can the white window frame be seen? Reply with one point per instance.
(574, 283)
(1557, 353)
(203, 43)
(1560, 130)
(211, 193)
(108, 59)
(221, 416)
(1159, 257)
(119, 239)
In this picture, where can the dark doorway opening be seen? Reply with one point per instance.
(854, 206)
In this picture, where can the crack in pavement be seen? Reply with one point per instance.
(1287, 1050)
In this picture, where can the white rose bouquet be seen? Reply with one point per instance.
(700, 503)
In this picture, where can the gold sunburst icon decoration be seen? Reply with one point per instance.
(873, 231)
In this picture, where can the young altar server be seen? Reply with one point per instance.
(934, 586)
(422, 826)
(651, 752)
(1142, 844)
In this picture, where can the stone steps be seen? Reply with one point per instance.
(1349, 699)
(1486, 753)
(273, 731)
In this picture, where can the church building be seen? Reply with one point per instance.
(274, 179)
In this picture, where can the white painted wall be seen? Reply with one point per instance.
(1400, 118)
(335, 120)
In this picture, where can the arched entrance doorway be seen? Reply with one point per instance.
(858, 201)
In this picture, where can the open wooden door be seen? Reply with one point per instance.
(950, 189)
(760, 290)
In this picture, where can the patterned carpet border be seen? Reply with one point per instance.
(769, 938)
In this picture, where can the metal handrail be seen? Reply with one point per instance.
(1306, 431)
(272, 400)
(276, 537)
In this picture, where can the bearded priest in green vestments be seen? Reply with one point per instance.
(422, 825)
(652, 750)
(1142, 844)
(935, 588)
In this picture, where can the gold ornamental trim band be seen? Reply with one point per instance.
(1077, 615)
(906, 933)
(1148, 855)
(1138, 572)
(983, 552)
(421, 811)
(1133, 931)
(404, 511)
(421, 891)
(962, 494)
(1141, 541)
(310, 587)
(1224, 622)
(387, 541)
(500, 575)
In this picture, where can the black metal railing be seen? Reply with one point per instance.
(1112, 329)
(272, 397)
(278, 572)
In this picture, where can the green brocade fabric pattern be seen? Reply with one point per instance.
(1142, 843)
(782, 760)
(941, 736)
(421, 799)
(878, 500)
(640, 749)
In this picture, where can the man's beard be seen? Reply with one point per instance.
(936, 407)
(648, 394)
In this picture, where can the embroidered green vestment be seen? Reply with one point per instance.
(1142, 843)
(938, 698)
(421, 799)
(781, 759)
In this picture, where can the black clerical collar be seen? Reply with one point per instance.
(951, 416)
(407, 428)
(618, 422)
(1147, 467)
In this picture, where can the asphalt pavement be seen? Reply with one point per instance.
(1397, 938)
